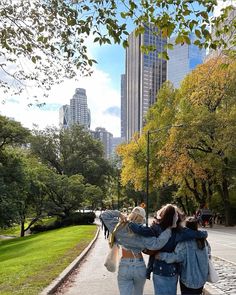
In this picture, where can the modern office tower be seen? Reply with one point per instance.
(106, 138)
(182, 60)
(79, 112)
(145, 74)
(123, 115)
(64, 116)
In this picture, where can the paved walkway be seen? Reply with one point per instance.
(92, 278)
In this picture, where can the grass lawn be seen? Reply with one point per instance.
(11, 231)
(29, 264)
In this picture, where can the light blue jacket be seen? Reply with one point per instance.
(193, 263)
(125, 237)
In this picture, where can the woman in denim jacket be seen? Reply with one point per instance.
(193, 258)
(132, 268)
(165, 276)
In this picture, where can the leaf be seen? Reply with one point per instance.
(33, 59)
(163, 55)
(71, 21)
(198, 34)
(125, 44)
(169, 46)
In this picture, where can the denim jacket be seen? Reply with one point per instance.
(125, 237)
(193, 263)
(178, 235)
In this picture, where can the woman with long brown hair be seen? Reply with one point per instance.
(132, 269)
(193, 258)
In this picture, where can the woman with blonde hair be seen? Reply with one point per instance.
(132, 269)
(165, 275)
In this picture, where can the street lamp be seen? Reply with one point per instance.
(149, 132)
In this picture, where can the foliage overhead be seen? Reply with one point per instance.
(47, 41)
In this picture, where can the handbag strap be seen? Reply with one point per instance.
(112, 236)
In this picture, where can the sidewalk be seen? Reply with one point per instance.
(92, 278)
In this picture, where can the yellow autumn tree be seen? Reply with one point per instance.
(201, 155)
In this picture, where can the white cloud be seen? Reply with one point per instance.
(100, 91)
(100, 95)
(223, 4)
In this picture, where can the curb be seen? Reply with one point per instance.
(209, 289)
(54, 285)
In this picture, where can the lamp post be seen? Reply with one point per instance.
(149, 132)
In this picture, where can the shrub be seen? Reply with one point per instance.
(77, 218)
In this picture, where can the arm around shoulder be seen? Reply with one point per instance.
(176, 256)
(153, 243)
(141, 229)
(110, 218)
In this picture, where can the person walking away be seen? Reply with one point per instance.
(132, 269)
(193, 258)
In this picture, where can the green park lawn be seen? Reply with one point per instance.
(29, 264)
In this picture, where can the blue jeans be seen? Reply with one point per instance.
(131, 276)
(164, 285)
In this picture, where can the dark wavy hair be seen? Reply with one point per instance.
(166, 215)
(192, 223)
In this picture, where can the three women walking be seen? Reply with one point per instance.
(134, 237)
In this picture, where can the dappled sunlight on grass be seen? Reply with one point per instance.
(28, 264)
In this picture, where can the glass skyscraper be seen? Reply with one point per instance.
(182, 60)
(144, 74)
(123, 112)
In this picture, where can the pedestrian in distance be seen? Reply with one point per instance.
(132, 269)
(165, 275)
(193, 258)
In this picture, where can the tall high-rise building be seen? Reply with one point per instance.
(106, 138)
(64, 116)
(79, 112)
(145, 73)
(182, 60)
(123, 104)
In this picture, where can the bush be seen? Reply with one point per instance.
(76, 218)
(79, 218)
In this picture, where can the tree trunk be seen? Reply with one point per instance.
(224, 192)
(182, 205)
(187, 205)
(226, 201)
(22, 228)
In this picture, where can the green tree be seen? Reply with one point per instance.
(72, 151)
(93, 196)
(12, 133)
(65, 194)
(23, 193)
